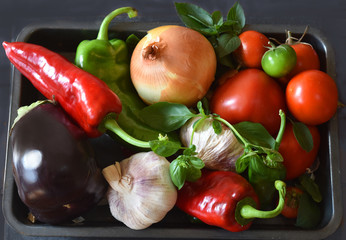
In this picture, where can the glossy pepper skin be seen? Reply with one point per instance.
(109, 60)
(53, 165)
(83, 96)
(213, 198)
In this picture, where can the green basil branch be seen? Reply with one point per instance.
(170, 117)
(221, 33)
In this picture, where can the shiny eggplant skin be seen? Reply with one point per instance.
(54, 167)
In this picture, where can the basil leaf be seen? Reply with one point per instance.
(205, 106)
(303, 136)
(131, 43)
(227, 43)
(217, 127)
(217, 18)
(227, 26)
(196, 18)
(237, 13)
(177, 171)
(193, 174)
(191, 151)
(273, 156)
(243, 162)
(255, 133)
(195, 125)
(165, 116)
(200, 107)
(311, 187)
(164, 148)
(223, 35)
(196, 162)
(309, 213)
(185, 167)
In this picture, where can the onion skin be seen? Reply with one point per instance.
(173, 64)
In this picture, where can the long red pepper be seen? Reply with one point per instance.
(84, 97)
(225, 199)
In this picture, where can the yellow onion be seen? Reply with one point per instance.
(173, 64)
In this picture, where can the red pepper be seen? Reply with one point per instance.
(84, 97)
(225, 199)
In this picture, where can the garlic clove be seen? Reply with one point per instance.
(112, 174)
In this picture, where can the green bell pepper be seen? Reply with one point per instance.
(109, 60)
(265, 169)
(261, 158)
(262, 177)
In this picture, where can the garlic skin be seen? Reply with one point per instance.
(141, 191)
(217, 151)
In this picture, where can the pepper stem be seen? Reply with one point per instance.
(103, 32)
(247, 211)
(112, 125)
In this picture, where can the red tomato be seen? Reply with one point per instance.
(252, 47)
(296, 159)
(292, 198)
(250, 95)
(312, 97)
(307, 59)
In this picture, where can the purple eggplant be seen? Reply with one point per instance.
(54, 167)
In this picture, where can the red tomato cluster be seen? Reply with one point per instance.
(306, 94)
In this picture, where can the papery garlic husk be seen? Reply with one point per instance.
(141, 191)
(217, 151)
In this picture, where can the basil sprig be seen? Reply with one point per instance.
(187, 166)
(222, 33)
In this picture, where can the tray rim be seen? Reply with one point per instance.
(123, 231)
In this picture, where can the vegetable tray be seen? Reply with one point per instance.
(99, 223)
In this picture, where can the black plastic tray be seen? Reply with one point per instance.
(64, 38)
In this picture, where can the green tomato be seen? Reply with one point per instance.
(279, 61)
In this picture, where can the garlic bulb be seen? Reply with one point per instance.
(218, 151)
(141, 191)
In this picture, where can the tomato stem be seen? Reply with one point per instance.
(272, 45)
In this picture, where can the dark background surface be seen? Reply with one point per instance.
(327, 16)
